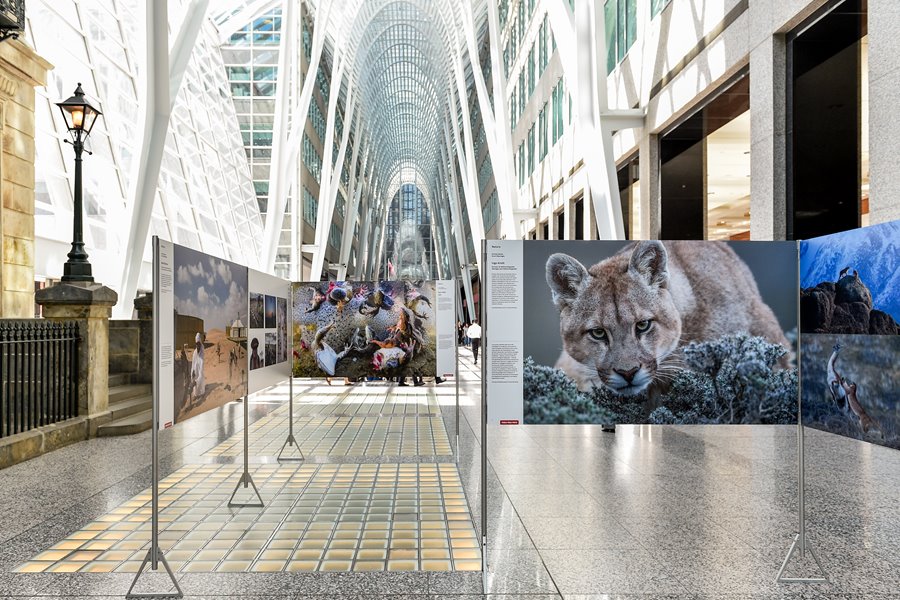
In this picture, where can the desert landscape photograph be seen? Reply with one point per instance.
(210, 366)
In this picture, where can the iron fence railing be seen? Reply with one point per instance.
(38, 373)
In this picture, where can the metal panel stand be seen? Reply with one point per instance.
(246, 479)
(290, 441)
(485, 298)
(456, 369)
(154, 554)
(801, 545)
(456, 383)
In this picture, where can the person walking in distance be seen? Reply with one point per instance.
(474, 334)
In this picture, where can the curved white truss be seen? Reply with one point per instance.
(404, 76)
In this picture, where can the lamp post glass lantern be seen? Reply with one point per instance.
(80, 117)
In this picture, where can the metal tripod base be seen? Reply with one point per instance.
(176, 594)
(290, 441)
(795, 548)
(247, 481)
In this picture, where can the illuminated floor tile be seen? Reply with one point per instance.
(318, 517)
(344, 436)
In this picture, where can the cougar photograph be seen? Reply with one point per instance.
(635, 324)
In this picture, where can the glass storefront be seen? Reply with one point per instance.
(705, 169)
(827, 121)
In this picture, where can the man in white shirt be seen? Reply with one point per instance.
(474, 334)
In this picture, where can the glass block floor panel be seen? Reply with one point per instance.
(374, 399)
(346, 517)
(343, 436)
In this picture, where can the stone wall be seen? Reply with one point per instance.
(124, 347)
(20, 71)
(131, 349)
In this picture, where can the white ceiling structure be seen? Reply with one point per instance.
(402, 81)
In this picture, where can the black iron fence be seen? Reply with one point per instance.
(38, 373)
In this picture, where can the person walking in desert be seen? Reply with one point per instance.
(197, 367)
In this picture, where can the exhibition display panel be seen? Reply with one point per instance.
(696, 332)
(268, 330)
(609, 332)
(850, 337)
(364, 329)
(203, 312)
(223, 332)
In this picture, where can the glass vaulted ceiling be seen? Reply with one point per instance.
(402, 69)
(402, 56)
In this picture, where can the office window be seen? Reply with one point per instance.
(542, 132)
(522, 96)
(521, 164)
(621, 30)
(310, 207)
(513, 110)
(554, 99)
(558, 97)
(522, 23)
(543, 56)
(490, 212)
(531, 150)
(311, 158)
(334, 237)
(532, 81)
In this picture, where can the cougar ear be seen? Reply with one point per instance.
(650, 260)
(566, 277)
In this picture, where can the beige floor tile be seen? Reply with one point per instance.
(233, 566)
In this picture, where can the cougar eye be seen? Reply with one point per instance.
(642, 326)
(598, 334)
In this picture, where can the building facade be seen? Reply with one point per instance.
(757, 126)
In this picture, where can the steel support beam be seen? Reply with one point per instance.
(279, 187)
(581, 43)
(283, 89)
(497, 132)
(465, 156)
(350, 214)
(592, 101)
(456, 215)
(331, 173)
(163, 78)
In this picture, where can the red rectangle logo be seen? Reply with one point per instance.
(509, 421)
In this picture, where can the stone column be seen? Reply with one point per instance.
(20, 71)
(90, 304)
(144, 306)
(768, 182)
(884, 98)
(651, 201)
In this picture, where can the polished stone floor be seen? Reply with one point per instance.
(643, 513)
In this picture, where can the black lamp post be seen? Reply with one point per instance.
(80, 117)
